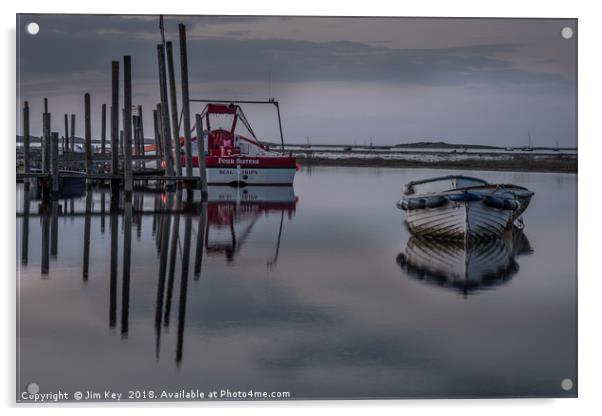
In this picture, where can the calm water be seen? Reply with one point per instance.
(317, 291)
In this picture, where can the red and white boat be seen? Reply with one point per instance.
(233, 153)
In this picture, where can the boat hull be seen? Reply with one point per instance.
(248, 176)
(459, 220)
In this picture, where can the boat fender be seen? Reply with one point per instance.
(464, 197)
(500, 203)
(436, 201)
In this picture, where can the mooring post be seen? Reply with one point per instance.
(72, 132)
(87, 134)
(114, 126)
(54, 162)
(166, 135)
(174, 110)
(135, 140)
(103, 129)
(157, 138)
(46, 143)
(200, 143)
(185, 99)
(66, 144)
(141, 132)
(128, 184)
(26, 161)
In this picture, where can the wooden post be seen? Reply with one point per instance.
(66, 149)
(103, 130)
(114, 124)
(26, 145)
(46, 143)
(87, 219)
(141, 134)
(128, 184)
(54, 162)
(166, 135)
(136, 140)
(87, 134)
(174, 110)
(72, 132)
(157, 137)
(185, 99)
(200, 143)
(127, 251)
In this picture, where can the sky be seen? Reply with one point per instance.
(338, 80)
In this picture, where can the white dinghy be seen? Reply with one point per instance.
(462, 207)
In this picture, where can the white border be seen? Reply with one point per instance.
(590, 150)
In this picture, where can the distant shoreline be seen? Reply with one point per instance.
(519, 163)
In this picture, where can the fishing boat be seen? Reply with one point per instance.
(465, 266)
(462, 207)
(234, 155)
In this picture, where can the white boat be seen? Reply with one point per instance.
(462, 207)
(462, 265)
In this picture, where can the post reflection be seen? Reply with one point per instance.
(465, 267)
(222, 223)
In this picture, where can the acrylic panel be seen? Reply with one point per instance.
(281, 208)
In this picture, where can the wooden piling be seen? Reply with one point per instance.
(136, 139)
(72, 132)
(87, 134)
(185, 99)
(114, 123)
(26, 145)
(174, 110)
(103, 129)
(128, 183)
(157, 137)
(200, 143)
(66, 147)
(54, 162)
(46, 142)
(164, 108)
(141, 134)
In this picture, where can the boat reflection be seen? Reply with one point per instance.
(466, 267)
(232, 213)
(175, 217)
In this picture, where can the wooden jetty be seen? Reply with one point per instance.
(122, 163)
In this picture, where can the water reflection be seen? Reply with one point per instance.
(222, 225)
(466, 267)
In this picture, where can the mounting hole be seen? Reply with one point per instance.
(566, 384)
(566, 32)
(33, 28)
(33, 388)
